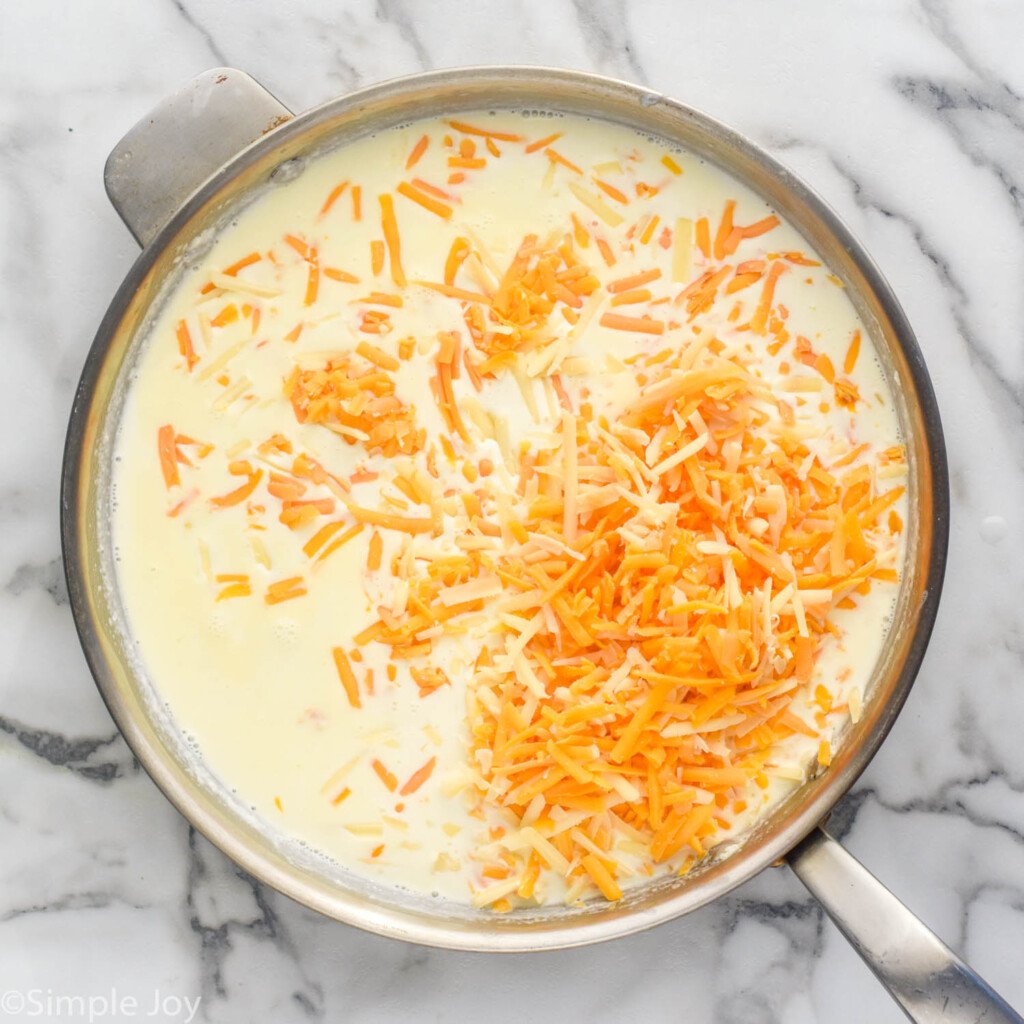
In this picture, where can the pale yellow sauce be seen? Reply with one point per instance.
(255, 684)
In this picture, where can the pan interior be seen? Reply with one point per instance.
(171, 756)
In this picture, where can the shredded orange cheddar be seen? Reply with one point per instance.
(392, 238)
(556, 158)
(185, 346)
(656, 632)
(384, 775)
(301, 247)
(633, 281)
(228, 315)
(340, 541)
(850, 360)
(542, 143)
(417, 778)
(468, 129)
(237, 496)
(417, 152)
(703, 237)
(641, 325)
(759, 321)
(358, 403)
(333, 197)
(168, 453)
(313, 279)
(233, 270)
(285, 590)
(435, 206)
(347, 676)
(374, 555)
(335, 274)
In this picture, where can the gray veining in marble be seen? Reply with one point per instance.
(909, 118)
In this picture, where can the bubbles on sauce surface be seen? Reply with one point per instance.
(286, 630)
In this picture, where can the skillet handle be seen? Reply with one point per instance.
(929, 981)
(184, 140)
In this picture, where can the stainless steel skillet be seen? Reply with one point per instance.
(175, 179)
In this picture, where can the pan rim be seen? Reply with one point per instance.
(391, 920)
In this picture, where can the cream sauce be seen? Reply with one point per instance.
(255, 684)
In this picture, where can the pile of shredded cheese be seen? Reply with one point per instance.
(644, 584)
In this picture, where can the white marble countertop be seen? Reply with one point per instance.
(909, 119)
